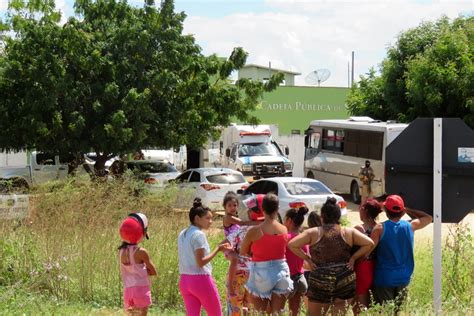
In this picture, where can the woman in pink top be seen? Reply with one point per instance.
(269, 281)
(293, 221)
(135, 265)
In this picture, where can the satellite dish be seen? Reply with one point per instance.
(318, 76)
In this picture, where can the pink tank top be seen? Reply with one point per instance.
(133, 274)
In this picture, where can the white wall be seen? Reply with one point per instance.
(296, 145)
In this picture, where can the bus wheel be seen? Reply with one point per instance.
(355, 194)
(310, 175)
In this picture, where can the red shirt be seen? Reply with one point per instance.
(269, 247)
(294, 262)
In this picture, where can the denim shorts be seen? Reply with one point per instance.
(268, 277)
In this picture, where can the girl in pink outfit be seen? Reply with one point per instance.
(196, 284)
(135, 265)
(293, 221)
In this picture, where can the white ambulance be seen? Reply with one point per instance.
(253, 151)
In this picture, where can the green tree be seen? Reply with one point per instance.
(428, 73)
(113, 79)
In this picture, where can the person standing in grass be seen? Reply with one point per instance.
(196, 284)
(237, 275)
(332, 280)
(293, 222)
(269, 281)
(314, 220)
(394, 256)
(364, 267)
(135, 265)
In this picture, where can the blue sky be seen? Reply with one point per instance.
(304, 35)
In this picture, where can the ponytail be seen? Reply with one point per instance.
(197, 209)
(331, 212)
(297, 216)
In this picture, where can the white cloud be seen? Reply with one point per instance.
(3, 5)
(64, 9)
(306, 35)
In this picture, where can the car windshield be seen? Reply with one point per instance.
(306, 188)
(258, 149)
(226, 178)
(152, 167)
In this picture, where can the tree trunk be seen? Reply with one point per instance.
(76, 162)
(99, 165)
(193, 158)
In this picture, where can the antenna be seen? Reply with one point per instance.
(318, 76)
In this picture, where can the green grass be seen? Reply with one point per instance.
(63, 259)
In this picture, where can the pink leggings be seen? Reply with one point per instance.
(197, 291)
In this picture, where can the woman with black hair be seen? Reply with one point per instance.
(364, 267)
(196, 284)
(332, 280)
(293, 222)
(269, 279)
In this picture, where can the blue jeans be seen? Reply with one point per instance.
(269, 277)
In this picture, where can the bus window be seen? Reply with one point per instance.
(363, 144)
(333, 140)
(315, 138)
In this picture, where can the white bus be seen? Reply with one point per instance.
(337, 149)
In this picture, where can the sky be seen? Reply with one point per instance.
(305, 35)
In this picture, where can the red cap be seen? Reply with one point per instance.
(394, 203)
(257, 215)
(131, 231)
(255, 206)
(260, 202)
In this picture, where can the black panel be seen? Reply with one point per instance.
(409, 162)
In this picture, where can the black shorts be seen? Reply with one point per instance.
(300, 286)
(396, 294)
(327, 283)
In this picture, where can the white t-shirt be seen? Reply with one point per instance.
(189, 240)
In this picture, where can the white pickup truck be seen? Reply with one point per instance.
(24, 169)
(253, 151)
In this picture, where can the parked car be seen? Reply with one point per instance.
(155, 173)
(294, 192)
(211, 184)
(24, 169)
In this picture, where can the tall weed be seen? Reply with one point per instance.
(66, 252)
(68, 247)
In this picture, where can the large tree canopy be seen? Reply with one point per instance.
(429, 72)
(113, 79)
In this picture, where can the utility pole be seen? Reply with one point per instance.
(348, 74)
(352, 77)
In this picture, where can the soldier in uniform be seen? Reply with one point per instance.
(366, 175)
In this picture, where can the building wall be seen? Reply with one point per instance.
(295, 144)
(255, 73)
(293, 108)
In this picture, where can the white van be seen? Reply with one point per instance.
(252, 151)
(337, 149)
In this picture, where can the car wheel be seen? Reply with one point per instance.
(355, 194)
(310, 175)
